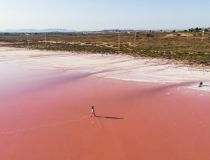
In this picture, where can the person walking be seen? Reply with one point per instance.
(93, 113)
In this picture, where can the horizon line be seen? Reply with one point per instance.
(63, 30)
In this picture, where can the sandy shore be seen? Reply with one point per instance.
(110, 66)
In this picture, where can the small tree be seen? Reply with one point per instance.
(149, 35)
(206, 30)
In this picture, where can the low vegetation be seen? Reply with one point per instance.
(191, 46)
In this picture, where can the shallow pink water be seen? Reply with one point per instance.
(45, 115)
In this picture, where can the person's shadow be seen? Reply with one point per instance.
(107, 117)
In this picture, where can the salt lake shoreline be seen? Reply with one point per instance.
(121, 67)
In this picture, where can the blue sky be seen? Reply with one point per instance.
(104, 14)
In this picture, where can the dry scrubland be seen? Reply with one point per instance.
(188, 47)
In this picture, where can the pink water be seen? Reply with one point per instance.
(45, 115)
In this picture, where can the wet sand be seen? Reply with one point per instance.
(45, 115)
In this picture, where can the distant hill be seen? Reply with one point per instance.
(37, 30)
